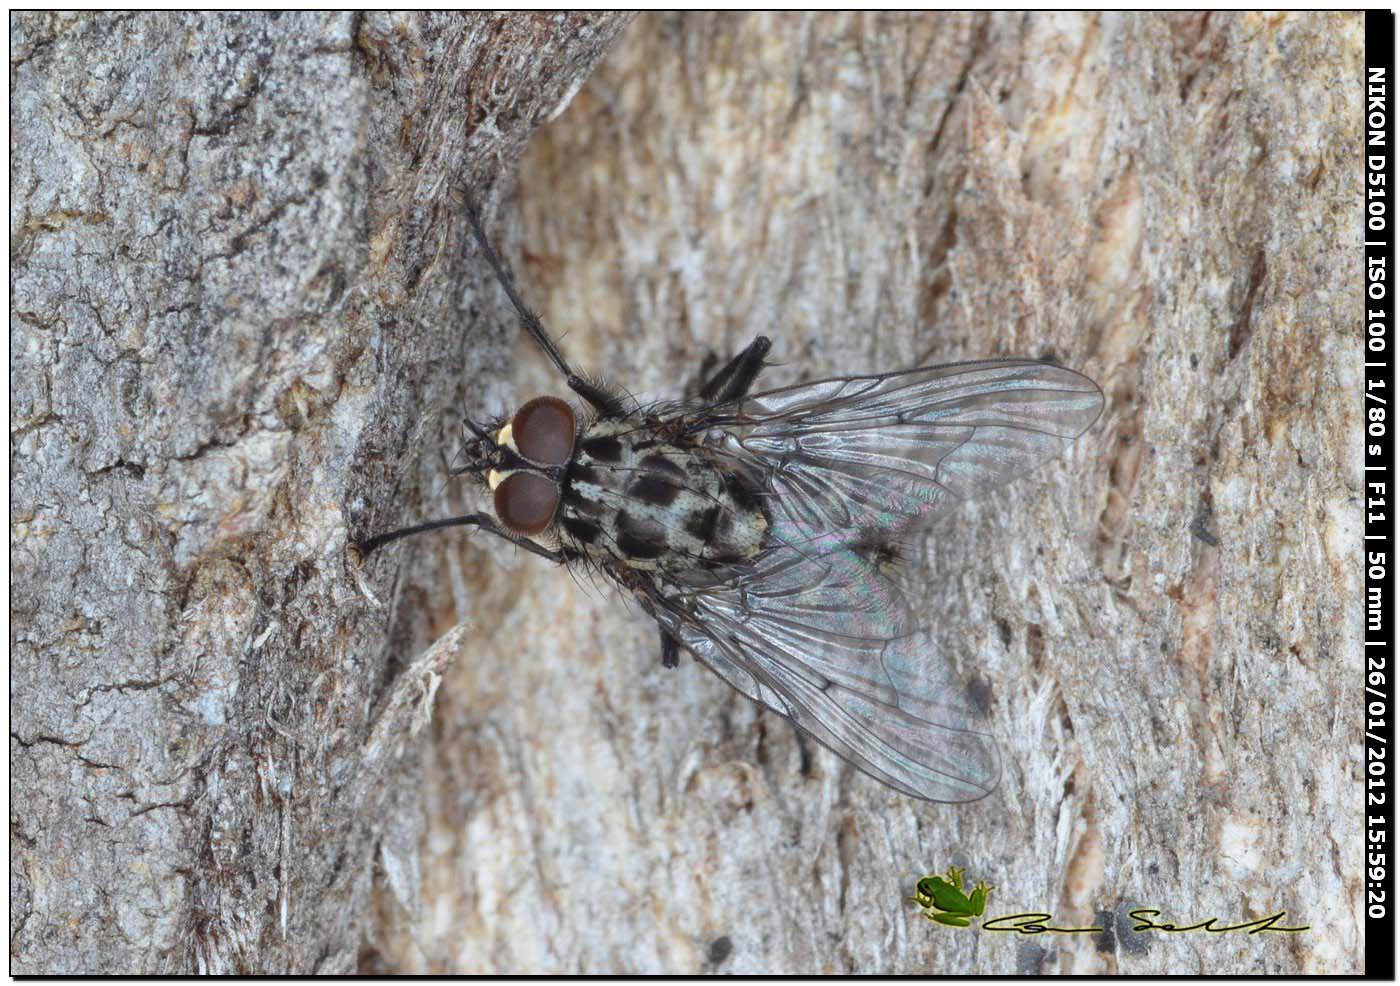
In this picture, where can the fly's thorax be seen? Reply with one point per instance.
(636, 498)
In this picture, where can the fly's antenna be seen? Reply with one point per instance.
(606, 403)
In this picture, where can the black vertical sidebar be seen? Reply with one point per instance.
(1378, 226)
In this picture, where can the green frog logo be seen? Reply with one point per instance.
(942, 899)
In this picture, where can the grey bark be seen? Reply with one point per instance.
(243, 307)
(237, 291)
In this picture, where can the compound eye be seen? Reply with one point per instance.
(543, 430)
(525, 502)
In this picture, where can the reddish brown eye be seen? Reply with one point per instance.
(525, 502)
(544, 431)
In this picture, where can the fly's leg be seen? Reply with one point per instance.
(482, 521)
(736, 377)
(607, 403)
(649, 596)
(670, 650)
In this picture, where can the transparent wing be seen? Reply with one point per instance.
(821, 627)
(896, 451)
(831, 642)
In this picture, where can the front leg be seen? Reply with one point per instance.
(483, 521)
(603, 400)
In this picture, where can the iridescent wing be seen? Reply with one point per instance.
(896, 451)
(821, 627)
(831, 642)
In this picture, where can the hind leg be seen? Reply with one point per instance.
(736, 377)
(670, 651)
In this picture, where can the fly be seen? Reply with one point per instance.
(768, 533)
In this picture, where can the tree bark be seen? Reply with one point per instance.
(1168, 203)
(238, 290)
(247, 315)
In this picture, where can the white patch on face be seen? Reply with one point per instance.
(506, 437)
(495, 478)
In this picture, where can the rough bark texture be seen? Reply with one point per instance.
(237, 292)
(243, 304)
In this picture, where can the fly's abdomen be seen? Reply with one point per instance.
(636, 499)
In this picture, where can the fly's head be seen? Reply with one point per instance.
(522, 461)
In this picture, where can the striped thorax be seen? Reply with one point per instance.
(635, 498)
